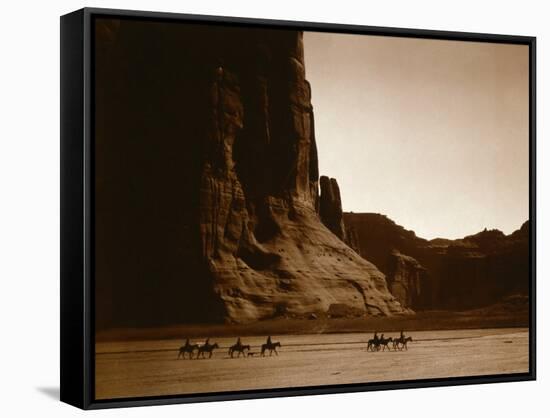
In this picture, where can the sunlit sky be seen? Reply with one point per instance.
(433, 134)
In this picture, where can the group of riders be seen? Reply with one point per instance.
(378, 343)
(237, 348)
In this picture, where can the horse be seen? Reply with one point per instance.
(373, 344)
(239, 348)
(403, 341)
(396, 342)
(187, 348)
(376, 343)
(271, 347)
(384, 343)
(207, 348)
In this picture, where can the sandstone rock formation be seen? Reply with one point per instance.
(406, 277)
(474, 271)
(330, 207)
(207, 182)
(266, 250)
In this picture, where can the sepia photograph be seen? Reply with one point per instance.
(278, 208)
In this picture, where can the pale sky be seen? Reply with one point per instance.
(434, 134)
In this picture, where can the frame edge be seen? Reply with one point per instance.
(72, 292)
(76, 329)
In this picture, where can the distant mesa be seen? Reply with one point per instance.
(475, 271)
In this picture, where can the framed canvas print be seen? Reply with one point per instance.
(258, 208)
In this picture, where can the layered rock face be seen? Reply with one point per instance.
(266, 250)
(330, 207)
(406, 279)
(474, 271)
(207, 182)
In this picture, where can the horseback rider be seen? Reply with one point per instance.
(239, 344)
(376, 338)
(270, 346)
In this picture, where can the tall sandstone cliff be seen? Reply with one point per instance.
(207, 188)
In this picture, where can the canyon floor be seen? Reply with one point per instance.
(150, 367)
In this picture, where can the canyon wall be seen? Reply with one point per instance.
(207, 183)
(330, 207)
(474, 271)
(407, 279)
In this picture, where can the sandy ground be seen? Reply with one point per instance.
(151, 368)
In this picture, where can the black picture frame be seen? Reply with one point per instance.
(77, 217)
